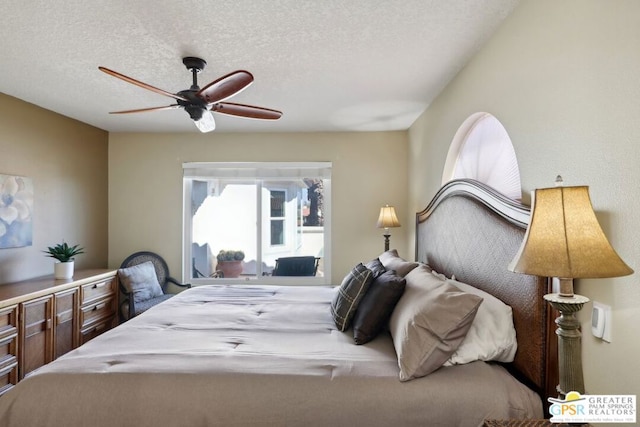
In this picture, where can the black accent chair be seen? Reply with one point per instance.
(296, 266)
(128, 307)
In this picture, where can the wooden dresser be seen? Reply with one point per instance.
(43, 318)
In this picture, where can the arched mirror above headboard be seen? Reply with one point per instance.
(481, 149)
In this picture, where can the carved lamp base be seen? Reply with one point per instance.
(569, 342)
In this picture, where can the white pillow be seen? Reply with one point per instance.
(492, 335)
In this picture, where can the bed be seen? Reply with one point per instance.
(272, 355)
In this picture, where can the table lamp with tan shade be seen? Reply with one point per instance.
(564, 240)
(387, 219)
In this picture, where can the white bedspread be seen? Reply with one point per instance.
(247, 355)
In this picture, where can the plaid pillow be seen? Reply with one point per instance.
(348, 296)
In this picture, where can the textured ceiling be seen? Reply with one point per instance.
(329, 65)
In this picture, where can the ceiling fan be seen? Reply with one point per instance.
(199, 103)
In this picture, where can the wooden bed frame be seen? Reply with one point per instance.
(467, 230)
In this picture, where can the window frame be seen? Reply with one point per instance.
(264, 172)
(282, 219)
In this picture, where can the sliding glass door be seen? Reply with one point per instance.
(238, 229)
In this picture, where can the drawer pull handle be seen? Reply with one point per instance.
(100, 285)
(8, 369)
(98, 328)
(99, 307)
(7, 341)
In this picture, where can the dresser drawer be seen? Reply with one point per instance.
(97, 290)
(8, 321)
(8, 347)
(92, 331)
(98, 310)
(8, 374)
(8, 362)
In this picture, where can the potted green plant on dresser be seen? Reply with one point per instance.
(230, 262)
(64, 254)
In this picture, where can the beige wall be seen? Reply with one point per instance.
(67, 162)
(145, 186)
(562, 77)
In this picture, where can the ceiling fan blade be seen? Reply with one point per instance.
(144, 110)
(248, 111)
(225, 86)
(141, 84)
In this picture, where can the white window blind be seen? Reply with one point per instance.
(258, 170)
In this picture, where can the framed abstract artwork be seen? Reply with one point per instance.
(16, 209)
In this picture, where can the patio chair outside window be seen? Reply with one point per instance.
(296, 266)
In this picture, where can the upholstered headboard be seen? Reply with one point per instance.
(471, 231)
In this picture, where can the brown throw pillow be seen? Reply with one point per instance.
(377, 305)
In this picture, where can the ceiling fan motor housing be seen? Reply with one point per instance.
(195, 106)
(195, 111)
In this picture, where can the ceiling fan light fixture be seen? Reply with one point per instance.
(201, 117)
(206, 123)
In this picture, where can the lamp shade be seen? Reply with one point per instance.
(388, 217)
(564, 238)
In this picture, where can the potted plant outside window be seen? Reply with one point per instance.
(230, 262)
(64, 254)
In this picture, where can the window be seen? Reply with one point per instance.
(481, 149)
(256, 213)
(277, 217)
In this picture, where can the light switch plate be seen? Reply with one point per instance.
(601, 321)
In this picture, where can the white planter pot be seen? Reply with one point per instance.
(63, 270)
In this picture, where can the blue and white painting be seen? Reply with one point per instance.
(16, 210)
